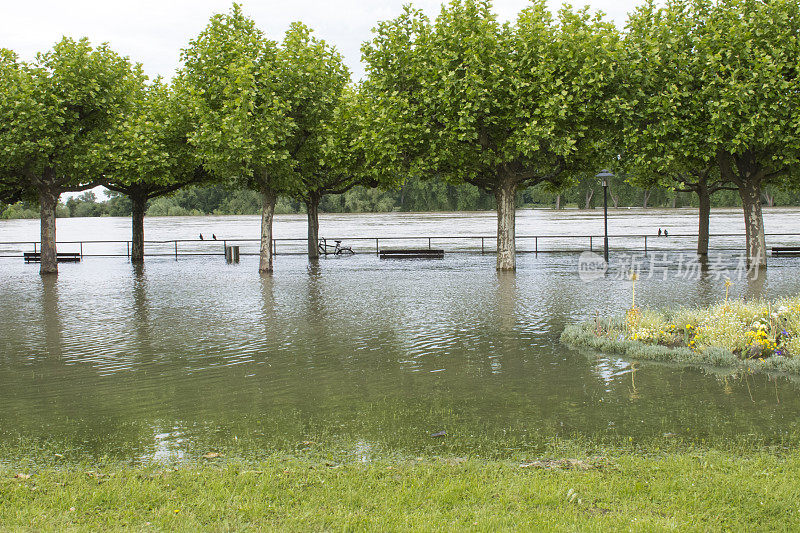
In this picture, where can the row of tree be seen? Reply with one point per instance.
(696, 96)
(276, 118)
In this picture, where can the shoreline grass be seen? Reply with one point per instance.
(753, 336)
(689, 490)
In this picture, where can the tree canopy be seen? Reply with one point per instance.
(499, 106)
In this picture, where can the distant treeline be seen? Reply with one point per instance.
(415, 196)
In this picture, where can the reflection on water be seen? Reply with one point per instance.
(164, 360)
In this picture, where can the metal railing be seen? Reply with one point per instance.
(450, 243)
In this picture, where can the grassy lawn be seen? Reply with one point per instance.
(685, 491)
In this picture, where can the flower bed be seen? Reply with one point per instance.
(756, 335)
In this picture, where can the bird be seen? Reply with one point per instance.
(659, 232)
(201, 236)
(213, 236)
(665, 233)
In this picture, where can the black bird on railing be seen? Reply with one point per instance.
(659, 232)
(213, 236)
(665, 233)
(201, 236)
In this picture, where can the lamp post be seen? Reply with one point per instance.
(605, 175)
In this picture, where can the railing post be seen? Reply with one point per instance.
(536, 242)
(128, 249)
(429, 243)
(176, 250)
(225, 248)
(34, 246)
(591, 247)
(645, 244)
(81, 249)
(482, 245)
(377, 248)
(274, 247)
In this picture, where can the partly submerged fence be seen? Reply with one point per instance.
(372, 245)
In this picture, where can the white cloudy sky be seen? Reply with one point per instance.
(153, 31)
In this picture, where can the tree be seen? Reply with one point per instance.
(57, 114)
(751, 48)
(315, 79)
(497, 106)
(663, 113)
(243, 126)
(711, 101)
(151, 156)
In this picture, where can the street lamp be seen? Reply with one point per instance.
(605, 174)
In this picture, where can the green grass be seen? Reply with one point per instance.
(679, 490)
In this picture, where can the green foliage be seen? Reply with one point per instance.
(315, 79)
(710, 95)
(85, 205)
(662, 111)
(149, 153)
(58, 112)
(18, 210)
(241, 106)
(750, 51)
(470, 100)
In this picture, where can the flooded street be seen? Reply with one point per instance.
(177, 356)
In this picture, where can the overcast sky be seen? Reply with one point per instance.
(154, 31)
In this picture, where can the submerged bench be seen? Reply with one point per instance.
(411, 253)
(61, 257)
(786, 250)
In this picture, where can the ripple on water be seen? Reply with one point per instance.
(195, 350)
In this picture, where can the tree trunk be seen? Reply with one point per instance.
(268, 198)
(48, 202)
(589, 196)
(139, 205)
(750, 193)
(645, 198)
(703, 218)
(769, 199)
(506, 247)
(312, 208)
(558, 201)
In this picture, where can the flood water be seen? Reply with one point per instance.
(182, 357)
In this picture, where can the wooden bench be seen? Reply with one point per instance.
(411, 253)
(786, 250)
(61, 257)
